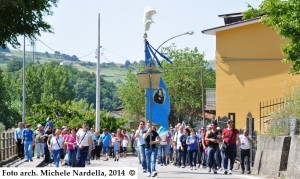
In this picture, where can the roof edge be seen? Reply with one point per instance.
(213, 31)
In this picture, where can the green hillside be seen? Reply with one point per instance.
(108, 72)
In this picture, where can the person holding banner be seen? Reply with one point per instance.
(151, 149)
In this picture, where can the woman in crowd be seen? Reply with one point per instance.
(97, 147)
(56, 144)
(193, 143)
(183, 147)
(71, 148)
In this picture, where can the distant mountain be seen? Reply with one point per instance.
(212, 64)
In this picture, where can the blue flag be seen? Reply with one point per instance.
(162, 131)
(159, 100)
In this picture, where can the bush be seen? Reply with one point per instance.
(280, 123)
(2, 127)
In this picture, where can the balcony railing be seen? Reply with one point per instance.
(210, 95)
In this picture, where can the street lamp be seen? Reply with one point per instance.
(202, 88)
(187, 33)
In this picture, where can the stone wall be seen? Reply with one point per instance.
(293, 167)
(271, 156)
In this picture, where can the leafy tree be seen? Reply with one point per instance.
(72, 114)
(8, 115)
(23, 17)
(282, 16)
(132, 96)
(183, 81)
(127, 63)
(14, 65)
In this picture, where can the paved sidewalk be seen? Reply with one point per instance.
(21, 163)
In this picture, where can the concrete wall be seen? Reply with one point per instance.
(271, 156)
(293, 167)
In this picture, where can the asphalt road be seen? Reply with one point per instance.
(168, 171)
(165, 172)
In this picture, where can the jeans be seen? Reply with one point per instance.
(163, 154)
(193, 157)
(182, 155)
(72, 157)
(229, 154)
(151, 159)
(40, 149)
(212, 160)
(28, 150)
(143, 156)
(56, 157)
(83, 152)
(245, 153)
(199, 155)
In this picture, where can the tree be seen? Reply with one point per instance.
(23, 18)
(14, 65)
(132, 96)
(282, 16)
(127, 63)
(183, 82)
(9, 116)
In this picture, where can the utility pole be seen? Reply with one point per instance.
(33, 46)
(202, 88)
(24, 88)
(97, 124)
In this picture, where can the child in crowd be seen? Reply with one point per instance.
(125, 145)
(116, 145)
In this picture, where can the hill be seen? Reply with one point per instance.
(109, 71)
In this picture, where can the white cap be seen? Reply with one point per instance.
(39, 125)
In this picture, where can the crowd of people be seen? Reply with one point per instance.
(209, 147)
(69, 146)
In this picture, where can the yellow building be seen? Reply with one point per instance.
(248, 68)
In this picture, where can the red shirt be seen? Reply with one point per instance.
(230, 134)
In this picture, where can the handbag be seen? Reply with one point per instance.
(225, 145)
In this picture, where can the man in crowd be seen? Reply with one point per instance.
(141, 144)
(40, 140)
(18, 138)
(245, 147)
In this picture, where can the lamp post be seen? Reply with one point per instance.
(186, 33)
(202, 89)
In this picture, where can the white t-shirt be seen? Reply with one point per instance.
(124, 143)
(177, 139)
(141, 140)
(55, 143)
(245, 140)
(84, 138)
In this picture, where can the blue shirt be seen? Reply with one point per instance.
(27, 134)
(193, 146)
(106, 138)
(183, 140)
(49, 123)
(18, 133)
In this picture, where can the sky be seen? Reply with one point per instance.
(75, 27)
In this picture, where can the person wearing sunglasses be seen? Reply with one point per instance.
(141, 144)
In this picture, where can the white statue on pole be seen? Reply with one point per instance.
(148, 13)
